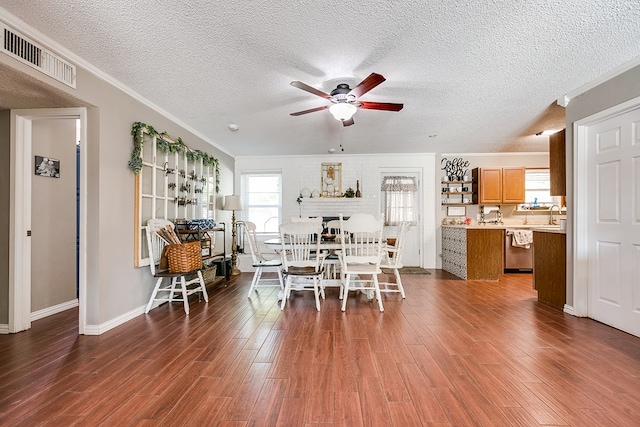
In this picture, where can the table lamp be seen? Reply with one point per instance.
(232, 203)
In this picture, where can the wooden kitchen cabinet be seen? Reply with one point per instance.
(473, 253)
(513, 185)
(549, 267)
(498, 185)
(557, 164)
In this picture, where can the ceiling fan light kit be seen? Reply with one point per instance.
(343, 111)
(345, 100)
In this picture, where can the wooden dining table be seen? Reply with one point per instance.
(331, 277)
(329, 245)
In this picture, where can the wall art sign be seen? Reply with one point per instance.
(46, 166)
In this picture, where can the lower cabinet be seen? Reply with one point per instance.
(549, 267)
(473, 253)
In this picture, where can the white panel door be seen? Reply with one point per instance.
(614, 221)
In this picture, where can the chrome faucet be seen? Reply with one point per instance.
(551, 220)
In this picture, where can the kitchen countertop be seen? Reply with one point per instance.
(535, 227)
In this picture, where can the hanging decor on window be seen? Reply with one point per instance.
(172, 182)
(166, 145)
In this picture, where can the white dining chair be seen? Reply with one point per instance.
(392, 259)
(179, 287)
(301, 259)
(260, 262)
(360, 255)
(332, 259)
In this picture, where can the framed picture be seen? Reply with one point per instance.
(456, 210)
(331, 180)
(46, 166)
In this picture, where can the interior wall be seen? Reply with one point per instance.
(5, 168)
(613, 92)
(53, 219)
(303, 173)
(116, 289)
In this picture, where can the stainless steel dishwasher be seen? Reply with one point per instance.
(516, 258)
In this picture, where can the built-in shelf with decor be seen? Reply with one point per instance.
(456, 193)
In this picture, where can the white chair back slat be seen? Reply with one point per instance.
(155, 243)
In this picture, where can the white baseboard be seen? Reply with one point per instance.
(569, 310)
(4, 329)
(55, 309)
(107, 326)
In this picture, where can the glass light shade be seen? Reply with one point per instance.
(232, 203)
(343, 111)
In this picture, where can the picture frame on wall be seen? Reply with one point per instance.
(456, 211)
(331, 179)
(47, 166)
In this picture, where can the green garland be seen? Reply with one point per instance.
(138, 129)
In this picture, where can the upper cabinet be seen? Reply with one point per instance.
(513, 185)
(498, 185)
(557, 164)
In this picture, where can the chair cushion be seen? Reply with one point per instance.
(362, 269)
(268, 263)
(303, 271)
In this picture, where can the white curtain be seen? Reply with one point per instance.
(400, 200)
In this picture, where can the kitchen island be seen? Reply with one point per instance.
(477, 252)
(473, 252)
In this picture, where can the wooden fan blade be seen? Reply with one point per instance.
(367, 84)
(386, 106)
(299, 113)
(348, 122)
(310, 89)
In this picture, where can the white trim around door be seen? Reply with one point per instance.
(20, 214)
(578, 232)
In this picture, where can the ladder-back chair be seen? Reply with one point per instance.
(301, 259)
(332, 260)
(360, 256)
(260, 262)
(392, 259)
(178, 287)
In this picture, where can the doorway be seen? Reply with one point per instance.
(606, 216)
(408, 196)
(21, 214)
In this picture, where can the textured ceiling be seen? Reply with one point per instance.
(481, 75)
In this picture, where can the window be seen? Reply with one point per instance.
(261, 196)
(171, 184)
(537, 187)
(400, 200)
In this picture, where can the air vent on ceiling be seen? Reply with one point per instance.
(18, 46)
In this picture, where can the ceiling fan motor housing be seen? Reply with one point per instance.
(341, 94)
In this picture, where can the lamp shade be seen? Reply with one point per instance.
(232, 203)
(343, 111)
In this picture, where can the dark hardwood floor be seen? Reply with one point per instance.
(454, 353)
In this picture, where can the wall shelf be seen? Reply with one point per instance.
(457, 193)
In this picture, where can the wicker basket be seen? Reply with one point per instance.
(209, 273)
(184, 257)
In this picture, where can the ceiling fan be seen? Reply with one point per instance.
(345, 101)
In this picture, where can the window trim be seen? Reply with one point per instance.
(245, 198)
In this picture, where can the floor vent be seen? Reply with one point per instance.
(25, 50)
